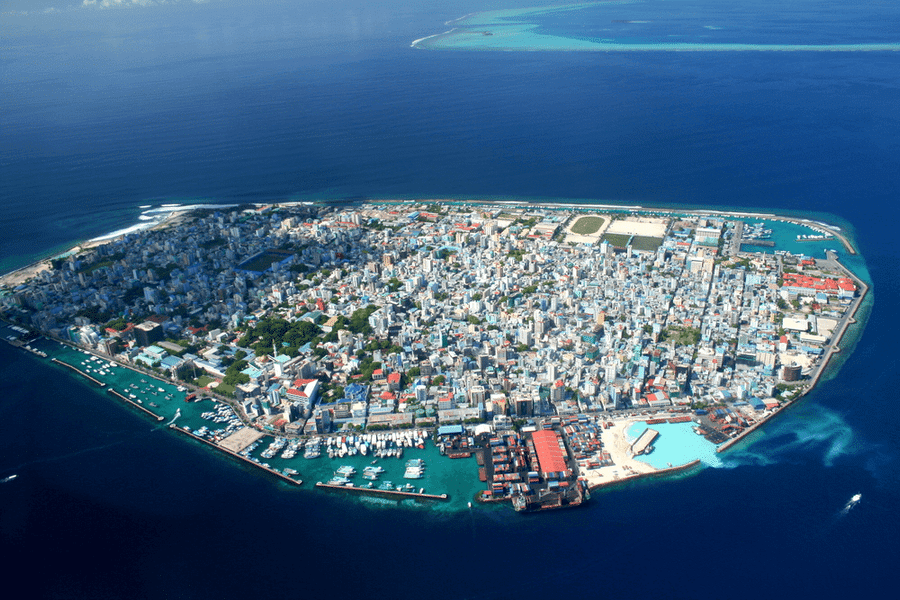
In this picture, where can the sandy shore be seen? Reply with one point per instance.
(20, 276)
(615, 441)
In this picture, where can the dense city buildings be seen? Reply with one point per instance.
(535, 330)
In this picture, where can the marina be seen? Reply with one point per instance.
(268, 470)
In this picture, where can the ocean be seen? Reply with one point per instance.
(109, 112)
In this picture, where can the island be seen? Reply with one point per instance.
(541, 351)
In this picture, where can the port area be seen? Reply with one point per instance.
(391, 494)
(268, 470)
(558, 462)
(533, 469)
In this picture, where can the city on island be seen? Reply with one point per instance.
(529, 336)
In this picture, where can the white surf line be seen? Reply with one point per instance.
(428, 37)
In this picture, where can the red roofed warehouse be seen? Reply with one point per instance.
(550, 450)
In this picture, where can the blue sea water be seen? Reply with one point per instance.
(107, 110)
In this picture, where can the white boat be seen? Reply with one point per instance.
(8, 479)
(413, 473)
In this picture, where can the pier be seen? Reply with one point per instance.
(762, 243)
(383, 493)
(136, 405)
(79, 371)
(277, 474)
(643, 442)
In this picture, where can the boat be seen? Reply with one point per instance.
(8, 479)
(413, 473)
(345, 471)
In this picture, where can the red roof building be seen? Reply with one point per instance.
(550, 450)
(806, 284)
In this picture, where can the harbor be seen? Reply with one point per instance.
(244, 459)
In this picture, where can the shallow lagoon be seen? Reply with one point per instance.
(676, 445)
(682, 25)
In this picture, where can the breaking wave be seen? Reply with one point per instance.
(811, 427)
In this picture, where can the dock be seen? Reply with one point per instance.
(383, 493)
(136, 405)
(644, 440)
(240, 439)
(79, 371)
(277, 474)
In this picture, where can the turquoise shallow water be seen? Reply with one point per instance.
(653, 25)
(676, 445)
(458, 478)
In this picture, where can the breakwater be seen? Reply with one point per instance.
(397, 495)
(661, 473)
(79, 371)
(135, 405)
(281, 476)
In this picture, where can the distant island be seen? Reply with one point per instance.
(592, 27)
(563, 348)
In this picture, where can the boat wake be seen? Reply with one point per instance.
(8, 479)
(177, 414)
(50, 459)
(850, 504)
